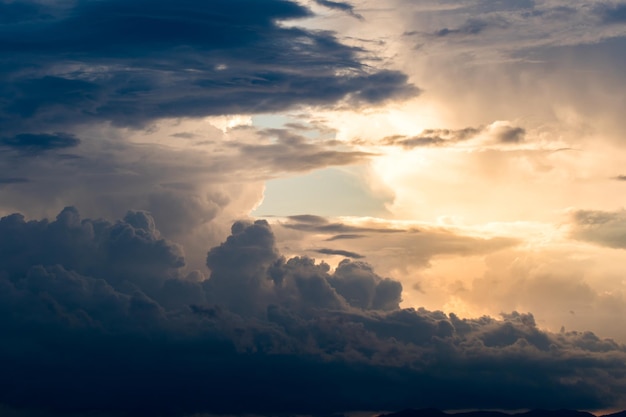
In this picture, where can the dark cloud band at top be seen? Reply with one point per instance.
(111, 61)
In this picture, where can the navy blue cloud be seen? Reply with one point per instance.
(39, 142)
(99, 316)
(132, 61)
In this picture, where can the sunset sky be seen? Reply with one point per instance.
(311, 206)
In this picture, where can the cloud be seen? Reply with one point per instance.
(497, 132)
(344, 253)
(600, 227)
(474, 26)
(109, 61)
(611, 13)
(391, 246)
(341, 6)
(13, 180)
(344, 236)
(320, 224)
(510, 134)
(98, 315)
(295, 153)
(34, 143)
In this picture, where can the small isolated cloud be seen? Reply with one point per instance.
(620, 178)
(600, 227)
(508, 134)
(473, 27)
(344, 237)
(497, 132)
(340, 252)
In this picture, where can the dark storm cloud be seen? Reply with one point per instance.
(338, 5)
(344, 237)
(130, 62)
(13, 180)
(600, 227)
(32, 143)
(344, 253)
(98, 316)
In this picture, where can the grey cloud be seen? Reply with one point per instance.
(344, 236)
(248, 273)
(445, 137)
(510, 134)
(80, 334)
(308, 218)
(362, 287)
(344, 253)
(122, 253)
(620, 178)
(433, 137)
(612, 13)
(344, 229)
(471, 27)
(600, 227)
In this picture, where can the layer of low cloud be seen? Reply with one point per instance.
(99, 316)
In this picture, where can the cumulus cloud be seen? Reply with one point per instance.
(98, 316)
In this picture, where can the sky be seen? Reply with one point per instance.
(311, 207)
